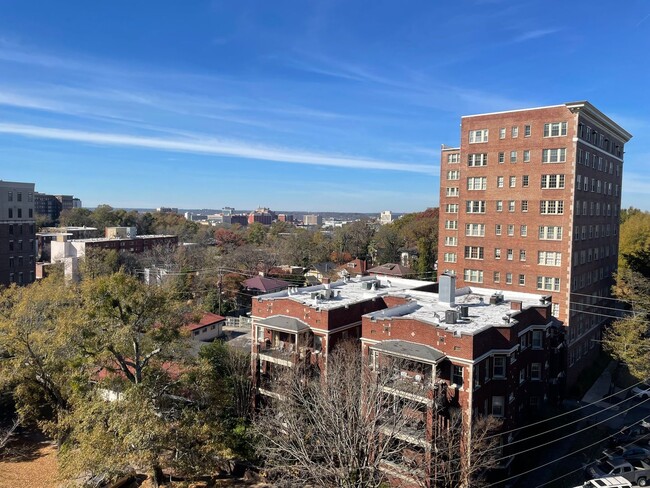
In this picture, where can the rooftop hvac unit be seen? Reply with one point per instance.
(451, 316)
(464, 311)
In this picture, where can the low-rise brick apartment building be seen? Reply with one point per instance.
(530, 202)
(479, 351)
(301, 325)
(17, 233)
(476, 350)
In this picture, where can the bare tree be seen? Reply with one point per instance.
(6, 434)
(357, 428)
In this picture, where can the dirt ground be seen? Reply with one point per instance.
(32, 464)
(33, 468)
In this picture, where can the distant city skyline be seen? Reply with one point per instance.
(329, 107)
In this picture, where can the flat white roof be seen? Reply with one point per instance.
(424, 306)
(110, 239)
(346, 292)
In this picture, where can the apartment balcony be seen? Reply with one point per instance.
(282, 354)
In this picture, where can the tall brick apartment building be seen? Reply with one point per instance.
(530, 202)
(17, 233)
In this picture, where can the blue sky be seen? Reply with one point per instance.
(330, 105)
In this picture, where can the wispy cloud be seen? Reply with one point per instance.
(201, 145)
(534, 34)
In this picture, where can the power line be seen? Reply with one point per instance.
(574, 433)
(517, 441)
(582, 449)
(555, 460)
(565, 413)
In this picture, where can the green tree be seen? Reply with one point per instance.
(387, 244)
(628, 339)
(39, 341)
(256, 234)
(354, 238)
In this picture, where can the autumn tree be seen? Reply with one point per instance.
(628, 339)
(39, 342)
(354, 238)
(387, 244)
(634, 241)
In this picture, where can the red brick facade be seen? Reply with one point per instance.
(517, 180)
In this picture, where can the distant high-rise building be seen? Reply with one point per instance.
(51, 206)
(167, 210)
(76, 203)
(262, 215)
(530, 201)
(17, 233)
(386, 217)
(312, 219)
(285, 217)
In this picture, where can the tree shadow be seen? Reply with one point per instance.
(25, 445)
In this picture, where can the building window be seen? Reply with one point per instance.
(523, 231)
(498, 406)
(511, 205)
(509, 254)
(473, 275)
(526, 155)
(497, 253)
(451, 208)
(497, 229)
(524, 181)
(513, 181)
(551, 207)
(10, 196)
(526, 130)
(522, 280)
(524, 205)
(477, 183)
(538, 338)
(499, 181)
(549, 258)
(453, 174)
(502, 133)
(477, 136)
(475, 206)
(453, 158)
(450, 257)
(451, 241)
(452, 191)
(522, 255)
(457, 375)
(19, 196)
(451, 224)
(477, 159)
(555, 309)
(496, 277)
(475, 230)
(548, 283)
(514, 132)
(552, 181)
(511, 229)
(536, 371)
(513, 156)
(554, 155)
(502, 157)
(499, 205)
(473, 252)
(555, 129)
(10, 213)
(499, 367)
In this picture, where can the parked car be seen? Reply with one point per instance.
(628, 452)
(634, 471)
(609, 482)
(631, 434)
(642, 391)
